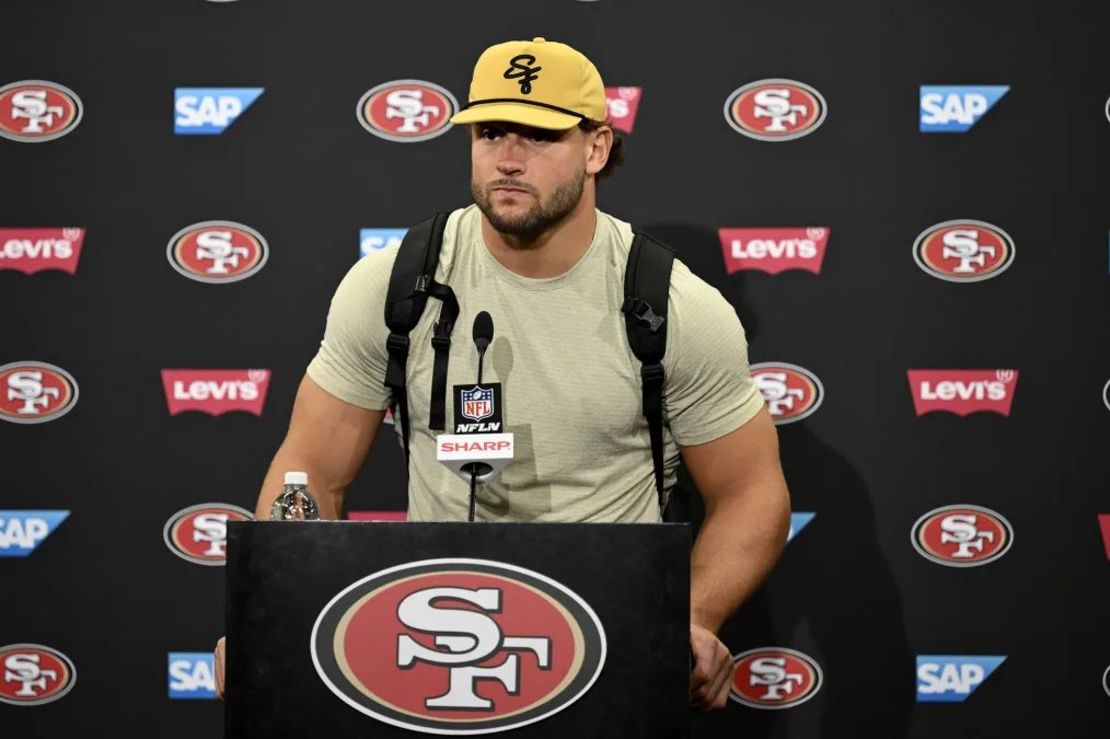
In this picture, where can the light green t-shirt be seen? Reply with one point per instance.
(572, 394)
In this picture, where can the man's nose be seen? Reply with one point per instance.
(509, 155)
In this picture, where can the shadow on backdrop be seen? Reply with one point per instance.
(832, 595)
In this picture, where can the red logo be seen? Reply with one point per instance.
(774, 677)
(962, 536)
(775, 110)
(458, 646)
(215, 391)
(622, 104)
(199, 533)
(31, 250)
(35, 392)
(963, 391)
(217, 251)
(36, 110)
(964, 251)
(791, 392)
(34, 674)
(407, 110)
(377, 516)
(774, 250)
(1104, 524)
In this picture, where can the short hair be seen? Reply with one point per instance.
(616, 153)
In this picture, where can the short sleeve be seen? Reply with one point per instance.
(709, 390)
(352, 358)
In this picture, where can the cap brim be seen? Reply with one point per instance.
(524, 114)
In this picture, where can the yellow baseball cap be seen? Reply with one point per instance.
(537, 83)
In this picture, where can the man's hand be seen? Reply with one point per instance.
(220, 667)
(712, 674)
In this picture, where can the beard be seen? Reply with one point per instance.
(540, 217)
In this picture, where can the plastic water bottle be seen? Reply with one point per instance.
(295, 502)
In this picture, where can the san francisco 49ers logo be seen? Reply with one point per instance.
(774, 678)
(35, 392)
(34, 674)
(791, 392)
(407, 110)
(217, 251)
(198, 533)
(963, 251)
(36, 110)
(962, 536)
(458, 646)
(775, 110)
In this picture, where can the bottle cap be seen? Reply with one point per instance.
(296, 478)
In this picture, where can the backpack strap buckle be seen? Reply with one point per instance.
(641, 309)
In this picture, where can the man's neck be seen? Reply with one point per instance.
(552, 253)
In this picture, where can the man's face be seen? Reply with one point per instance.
(526, 179)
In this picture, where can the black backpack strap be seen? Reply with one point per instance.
(410, 283)
(647, 282)
(441, 344)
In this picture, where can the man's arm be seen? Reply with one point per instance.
(747, 517)
(327, 438)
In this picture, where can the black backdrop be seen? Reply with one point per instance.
(850, 591)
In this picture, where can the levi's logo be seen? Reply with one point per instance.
(215, 391)
(963, 391)
(774, 250)
(622, 104)
(31, 250)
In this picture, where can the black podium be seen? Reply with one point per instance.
(344, 629)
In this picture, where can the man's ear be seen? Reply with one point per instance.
(597, 151)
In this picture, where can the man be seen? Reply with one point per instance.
(535, 253)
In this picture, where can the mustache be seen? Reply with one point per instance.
(511, 183)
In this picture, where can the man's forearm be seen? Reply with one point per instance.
(740, 540)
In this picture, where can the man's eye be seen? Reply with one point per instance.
(490, 133)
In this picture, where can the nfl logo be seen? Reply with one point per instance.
(477, 403)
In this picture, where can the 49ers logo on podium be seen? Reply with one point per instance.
(458, 646)
(964, 251)
(791, 392)
(774, 677)
(962, 535)
(198, 534)
(34, 674)
(36, 110)
(407, 110)
(775, 110)
(217, 251)
(35, 392)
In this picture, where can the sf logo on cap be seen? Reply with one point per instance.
(519, 68)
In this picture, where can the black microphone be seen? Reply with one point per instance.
(483, 336)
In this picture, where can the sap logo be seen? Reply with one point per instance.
(798, 522)
(951, 679)
(192, 675)
(956, 108)
(207, 111)
(22, 531)
(376, 239)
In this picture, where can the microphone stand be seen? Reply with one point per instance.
(474, 466)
